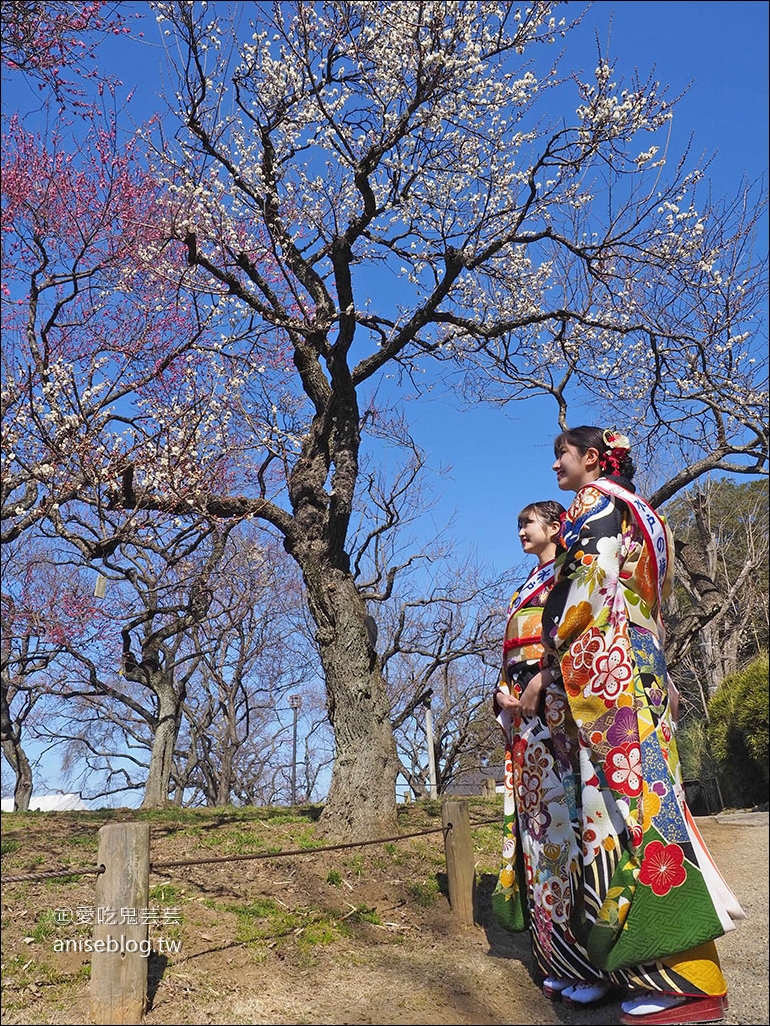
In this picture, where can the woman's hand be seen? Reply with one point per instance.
(528, 703)
(509, 702)
(530, 696)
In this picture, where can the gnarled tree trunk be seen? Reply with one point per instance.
(361, 803)
(156, 790)
(19, 763)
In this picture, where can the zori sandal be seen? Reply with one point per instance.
(553, 987)
(586, 993)
(672, 1009)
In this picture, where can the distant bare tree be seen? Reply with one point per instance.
(725, 525)
(45, 608)
(250, 655)
(163, 583)
(440, 648)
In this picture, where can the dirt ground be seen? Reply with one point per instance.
(347, 938)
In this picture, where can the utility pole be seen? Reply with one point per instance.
(295, 701)
(429, 739)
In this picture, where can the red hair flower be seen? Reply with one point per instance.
(618, 447)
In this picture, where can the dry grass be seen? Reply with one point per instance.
(359, 935)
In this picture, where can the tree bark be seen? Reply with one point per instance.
(226, 768)
(156, 791)
(361, 803)
(14, 752)
(19, 763)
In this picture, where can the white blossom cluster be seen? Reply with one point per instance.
(371, 183)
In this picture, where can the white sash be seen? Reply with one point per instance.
(651, 525)
(535, 584)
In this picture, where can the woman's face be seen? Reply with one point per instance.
(537, 538)
(575, 469)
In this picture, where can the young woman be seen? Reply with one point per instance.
(541, 849)
(647, 900)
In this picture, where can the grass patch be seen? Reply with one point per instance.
(265, 922)
(282, 912)
(364, 914)
(45, 927)
(424, 894)
(88, 839)
(356, 864)
(165, 894)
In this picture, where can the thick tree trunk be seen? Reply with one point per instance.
(19, 763)
(225, 780)
(361, 804)
(156, 790)
(10, 737)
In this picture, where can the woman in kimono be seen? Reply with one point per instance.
(541, 850)
(646, 900)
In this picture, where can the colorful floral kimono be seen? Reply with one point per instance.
(644, 899)
(541, 846)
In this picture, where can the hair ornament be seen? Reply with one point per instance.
(615, 440)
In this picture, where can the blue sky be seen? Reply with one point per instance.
(501, 459)
(718, 52)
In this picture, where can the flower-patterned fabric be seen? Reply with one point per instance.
(644, 900)
(541, 853)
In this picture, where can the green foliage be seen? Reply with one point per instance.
(165, 894)
(738, 733)
(694, 751)
(45, 927)
(334, 878)
(700, 770)
(425, 893)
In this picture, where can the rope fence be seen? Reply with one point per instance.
(51, 874)
(119, 974)
(156, 867)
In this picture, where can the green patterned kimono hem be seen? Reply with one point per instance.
(657, 925)
(509, 910)
(509, 904)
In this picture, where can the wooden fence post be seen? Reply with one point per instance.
(121, 944)
(490, 787)
(460, 864)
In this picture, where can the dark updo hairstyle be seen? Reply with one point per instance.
(614, 460)
(547, 512)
